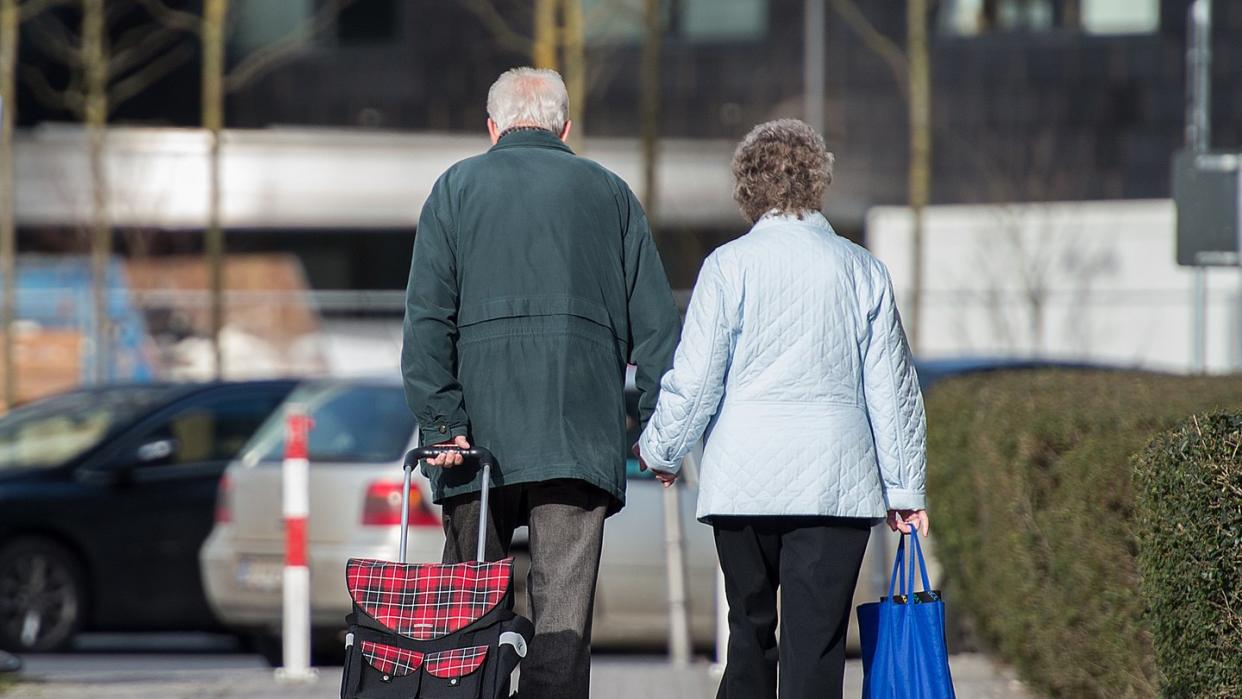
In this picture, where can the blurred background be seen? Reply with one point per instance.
(201, 190)
(230, 189)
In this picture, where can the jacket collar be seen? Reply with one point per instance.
(814, 220)
(531, 138)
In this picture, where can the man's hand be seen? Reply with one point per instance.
(449, 459)
(666, 479)
(904, 520)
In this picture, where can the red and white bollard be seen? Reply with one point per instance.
(295, 631)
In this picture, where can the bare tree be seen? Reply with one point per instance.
(211, 29)
(103, 75)
(10, 17)
(12, 14)
(559, 43)
(911, 69)
(919, 185)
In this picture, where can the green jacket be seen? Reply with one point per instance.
(534, 282)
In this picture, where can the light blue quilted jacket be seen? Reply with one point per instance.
(794, 362)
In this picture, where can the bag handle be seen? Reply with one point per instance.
(906, 584)
(898, 566)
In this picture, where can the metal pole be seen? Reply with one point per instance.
(722, 625)
(675, 560)
(1198, 138)
(813, 64)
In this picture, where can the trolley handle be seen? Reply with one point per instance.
(483, 456)
(486, 461)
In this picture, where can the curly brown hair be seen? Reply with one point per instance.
(783, 166)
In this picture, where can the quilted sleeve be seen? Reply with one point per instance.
(690, 392)
(894, 403)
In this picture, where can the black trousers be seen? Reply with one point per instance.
(566, 520)
(814, 561)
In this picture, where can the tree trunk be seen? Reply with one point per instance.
(920, 154)
(95, 69)
(214, 14)
(543, 53)
(575, 68)
(9, 19)
(650, 104)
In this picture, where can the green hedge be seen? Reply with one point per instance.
(1189, 483)
(1033, 510)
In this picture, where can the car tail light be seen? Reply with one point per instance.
(224, 513)
(382, 507)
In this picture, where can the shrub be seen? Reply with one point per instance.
(1031, 493)
(1189, 489)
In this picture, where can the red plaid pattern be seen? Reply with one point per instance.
(391, 660)
(447, 664)
(426, 601)
(458, 662)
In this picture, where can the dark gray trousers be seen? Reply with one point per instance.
(814, 561)
(566, 520)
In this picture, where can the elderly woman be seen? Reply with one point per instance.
(794, 362)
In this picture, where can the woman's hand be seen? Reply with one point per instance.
(666, 479)
(903, 520)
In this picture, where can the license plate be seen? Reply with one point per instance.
(260, 574)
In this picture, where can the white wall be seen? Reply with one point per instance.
(1102, 272)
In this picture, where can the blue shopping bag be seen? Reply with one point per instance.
(903, 647)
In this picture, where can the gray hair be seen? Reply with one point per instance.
(528, 97)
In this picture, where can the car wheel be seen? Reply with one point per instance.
(41, 596)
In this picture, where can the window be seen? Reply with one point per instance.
(714, 20)
(352, 423)
(621, 21)
(214, 430)
(261, 22)
(52, 432)
(615, 21)
(1120, 16)
(975, 17)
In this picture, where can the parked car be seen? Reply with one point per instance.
(361, 432)
(106, 496)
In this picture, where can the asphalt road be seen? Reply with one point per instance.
(193, 666)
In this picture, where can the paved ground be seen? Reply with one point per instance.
(206, 670)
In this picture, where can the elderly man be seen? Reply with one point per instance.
(534, 282)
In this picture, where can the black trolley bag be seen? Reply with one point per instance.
(431, 630)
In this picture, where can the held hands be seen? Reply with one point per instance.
(449, 459)
(905, 520)
(666, 479)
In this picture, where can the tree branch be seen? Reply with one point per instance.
(137, 46)
(270, 56)
(881, 45)
(496, 23)
(150, 74)
(68, 100)
(31, 8)
(174, 19)
(56, 40)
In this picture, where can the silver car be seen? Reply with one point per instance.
(361, 431)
